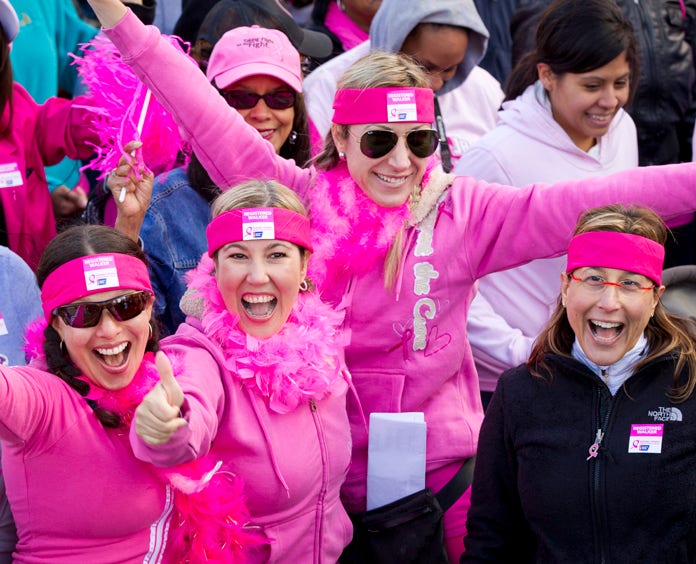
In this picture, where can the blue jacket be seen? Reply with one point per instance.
(173, 235)
(20, 303)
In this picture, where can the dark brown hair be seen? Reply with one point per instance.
(74, 242)
(576, 36)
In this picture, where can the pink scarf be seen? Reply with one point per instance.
(351, 233)
(302, 362)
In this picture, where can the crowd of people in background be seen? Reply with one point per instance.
(469, 210)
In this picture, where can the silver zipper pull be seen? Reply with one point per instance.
(595, 446)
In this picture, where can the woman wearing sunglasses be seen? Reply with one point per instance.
(264, 380)
(70, 476)
(398, 243)
(76, 490)
(257, 71)
(586, 452)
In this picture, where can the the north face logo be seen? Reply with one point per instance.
(666, 414)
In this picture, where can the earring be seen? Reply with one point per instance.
(149, 326)
(304, 286)
(341, 155)
(293, 137)
(61, 346)
(563, 303)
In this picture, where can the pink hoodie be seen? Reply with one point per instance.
(409, 348)
(292, 452)
(41, 134)
(77, 492)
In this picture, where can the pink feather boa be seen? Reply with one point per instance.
(350, 232)
(304, 361)
(119, 96)
(210, 522)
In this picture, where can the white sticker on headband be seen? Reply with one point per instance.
(401, 106)
(100, 273)
(257, 224)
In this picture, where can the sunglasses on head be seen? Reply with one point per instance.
(276, 100)
(87, 314)
(379, 142)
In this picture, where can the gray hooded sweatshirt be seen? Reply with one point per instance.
(395, 20)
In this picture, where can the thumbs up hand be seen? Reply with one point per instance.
(157, 417)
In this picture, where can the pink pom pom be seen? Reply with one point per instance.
(211, 520)
(120, 96)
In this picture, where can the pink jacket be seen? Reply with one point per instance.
(409, 349)
(292, 464)
(39, 135)
(77, 492)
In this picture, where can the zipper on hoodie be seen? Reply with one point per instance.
(321, 498)
(603, 414)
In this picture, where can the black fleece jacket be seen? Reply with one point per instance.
(536, 497)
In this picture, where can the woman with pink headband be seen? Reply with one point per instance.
(264, 380)
(77, 492)
(398, 244)
(586, 453)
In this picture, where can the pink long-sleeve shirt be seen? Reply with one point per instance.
(77, 492)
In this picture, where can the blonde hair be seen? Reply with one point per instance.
(258, 194)
(666, 333)
(376, 70)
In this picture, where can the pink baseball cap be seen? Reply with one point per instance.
(9, 20)
(249, 51)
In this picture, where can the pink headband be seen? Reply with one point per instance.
(622, 251)
(92, 274)
(383, 105)
(250, 224)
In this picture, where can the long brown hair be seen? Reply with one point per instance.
(576, 36)
(666, 333)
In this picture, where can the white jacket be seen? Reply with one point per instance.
(528, 146)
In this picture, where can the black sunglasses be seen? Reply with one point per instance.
(88, 314)
(379, 142)
(276, 100)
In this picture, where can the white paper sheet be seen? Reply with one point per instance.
(395, 457)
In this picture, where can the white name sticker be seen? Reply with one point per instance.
(646, 438)
(100, 273)
(258, 224)
(10, 175)
(401, 106)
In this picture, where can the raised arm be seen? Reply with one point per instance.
(230, 150)
(109, 12)
(512, 226)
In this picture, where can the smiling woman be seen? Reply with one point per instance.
(65, 418)
(265, 384)
(607, 374)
